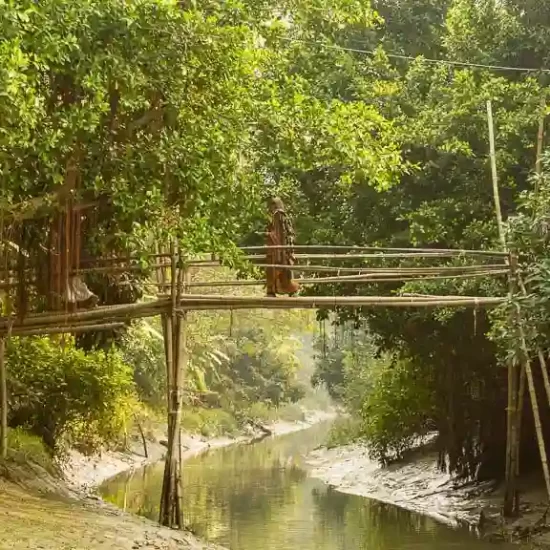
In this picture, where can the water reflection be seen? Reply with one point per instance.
(259, 497)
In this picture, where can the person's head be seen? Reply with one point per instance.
(275, 203)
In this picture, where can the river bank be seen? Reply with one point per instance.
(417, 485)
(51, 513)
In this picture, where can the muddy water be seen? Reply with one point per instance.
(259, 496)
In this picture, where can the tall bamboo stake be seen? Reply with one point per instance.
(171, 500)
(4, 402)
(496, 193)
(512, 443)
(181, 362)
(540, 143)
(535, 407)
(167, 493)
(3, 374)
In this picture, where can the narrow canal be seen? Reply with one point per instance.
(259, 496)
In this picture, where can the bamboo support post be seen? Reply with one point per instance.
(175, 342)
(540, 143)
(166, 505)
(512, 441)
(535, 408)
(3, 402)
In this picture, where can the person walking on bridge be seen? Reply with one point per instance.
(280, 233)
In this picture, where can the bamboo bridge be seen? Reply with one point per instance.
(177, 277)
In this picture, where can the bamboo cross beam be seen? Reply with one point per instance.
(121, 314)
(201, 302)
(100, 314)
(66, 329)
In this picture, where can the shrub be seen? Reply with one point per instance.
(62, 393)
(397, 409)
(344, 430)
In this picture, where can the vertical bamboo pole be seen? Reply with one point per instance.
(540, 143)
(512, 443)
(496, 193)
(182, 358)
(4, 402)
(3, 374)
(167, 496)
(171, 505)
(535, 407)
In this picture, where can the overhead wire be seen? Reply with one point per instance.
(464, 64)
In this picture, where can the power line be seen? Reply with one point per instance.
(412, 58)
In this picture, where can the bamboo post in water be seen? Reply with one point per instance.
(167, 495)
(175, 343)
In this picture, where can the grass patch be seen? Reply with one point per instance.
(24, 448)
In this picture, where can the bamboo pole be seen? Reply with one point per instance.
(349, 279)
(125, 313)
(167, 496)
(366, 269)
(496, 193)
(540, 144)
(198, 303)
(180, 377)
(512, 443)
(66, 329)
(343, 256)
(534, 406)
(3, 401)
(465, 252)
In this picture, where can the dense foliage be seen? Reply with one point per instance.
(175, 120)
(178, 118)
(67, 396)
(444, 199)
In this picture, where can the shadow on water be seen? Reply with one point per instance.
(259, 496)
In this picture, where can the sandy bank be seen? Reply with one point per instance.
(417, 485)
(46, 513)
(84, 473)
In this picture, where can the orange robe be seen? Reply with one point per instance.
(280, 232)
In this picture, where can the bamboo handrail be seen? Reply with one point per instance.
(365, 269)
(461, 252)
(347, 279)
(344, 256)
